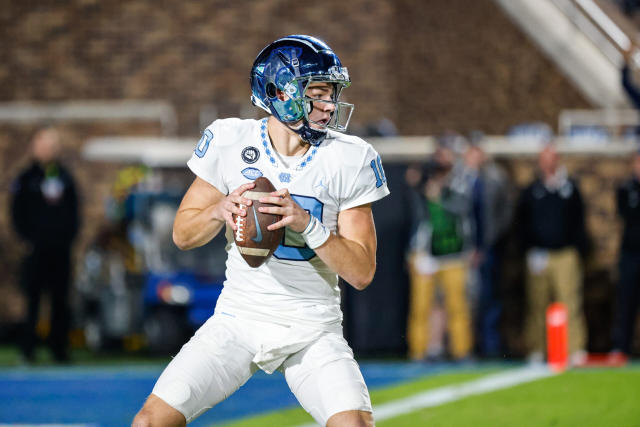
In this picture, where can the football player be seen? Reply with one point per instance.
(284, 315)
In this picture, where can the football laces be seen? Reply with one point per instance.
(240, 221)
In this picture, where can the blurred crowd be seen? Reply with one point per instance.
(464, 205)
(463, 208)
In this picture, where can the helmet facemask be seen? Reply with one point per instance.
(341, 114)
(310, 130)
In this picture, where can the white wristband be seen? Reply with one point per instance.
(316, 233)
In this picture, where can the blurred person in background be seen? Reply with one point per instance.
(436, 328)
(550, 220)
(629, 7)
(492, 207)
(628, 84)
(439, 257)
(630, 87)
(628, 288)
(627, 81)
(415, 176)
(44, 211)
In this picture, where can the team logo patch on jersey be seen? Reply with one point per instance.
(284, 177)
(251, 173)
(250, 154)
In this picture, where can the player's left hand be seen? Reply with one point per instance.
(293, 216)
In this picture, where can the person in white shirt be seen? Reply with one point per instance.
(284, 315)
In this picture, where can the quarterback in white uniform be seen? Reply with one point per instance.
(284, 315)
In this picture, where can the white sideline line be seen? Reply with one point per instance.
(455, 392)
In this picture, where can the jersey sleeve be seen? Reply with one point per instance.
(207, 158)
(369, 182)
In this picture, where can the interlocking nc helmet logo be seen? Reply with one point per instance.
(258, 237)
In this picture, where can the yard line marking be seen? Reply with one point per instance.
(455, 392)
(442, 395)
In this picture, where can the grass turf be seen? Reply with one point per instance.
(597, 397)
(588, 397)
(296, 416)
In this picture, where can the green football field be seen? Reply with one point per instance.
(580, 397)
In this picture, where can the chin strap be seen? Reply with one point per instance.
(308, 134)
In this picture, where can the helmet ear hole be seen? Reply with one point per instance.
(270, 90)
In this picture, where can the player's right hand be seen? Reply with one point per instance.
(231, 205)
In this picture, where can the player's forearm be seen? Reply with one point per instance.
(193, 228)
(350, 260)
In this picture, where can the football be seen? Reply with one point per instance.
(255, 243)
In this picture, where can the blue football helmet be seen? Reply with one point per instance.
(289, 65)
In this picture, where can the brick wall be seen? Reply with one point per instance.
(464, 66)
(428, 66)
(189, 52)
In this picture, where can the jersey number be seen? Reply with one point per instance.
(203, 144)
(293, 247)
(376, 165)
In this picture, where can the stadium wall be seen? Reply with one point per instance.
(427, 66)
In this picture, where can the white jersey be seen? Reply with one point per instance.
(294, 286)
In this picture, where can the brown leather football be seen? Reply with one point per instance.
(255, 243)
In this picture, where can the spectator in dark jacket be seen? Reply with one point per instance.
(44, 210)
(629, 86)
(492, 214)
(628, 289)
(551, 224)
